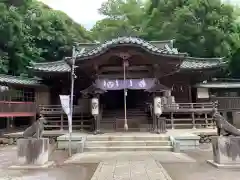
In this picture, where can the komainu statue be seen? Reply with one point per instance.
(223, 126)
(36, 129)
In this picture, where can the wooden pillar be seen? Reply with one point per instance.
(193, 118)
(61, 125)
(206, 119)
(8, 123)
(154, 117)
(81, 129)
(190, 94)
(172, 121)
(12, 124)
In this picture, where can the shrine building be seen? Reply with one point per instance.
(143, 69)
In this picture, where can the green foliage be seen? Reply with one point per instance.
(123, 17)
(202, 28)
(30, 31)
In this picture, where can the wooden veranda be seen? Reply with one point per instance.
(190, 115)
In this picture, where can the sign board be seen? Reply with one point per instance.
(202, 93)
(118, 84)
(65, 102)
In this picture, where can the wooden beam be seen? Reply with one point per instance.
(128, 75)
(119, 68)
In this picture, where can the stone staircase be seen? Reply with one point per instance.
(127, 143)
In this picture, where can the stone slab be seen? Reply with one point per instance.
(32, 151)
(25, 167)
(223, 166)
(163, 157)
(226, 150)
(147, 169)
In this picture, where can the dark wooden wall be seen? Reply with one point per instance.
(180, 86)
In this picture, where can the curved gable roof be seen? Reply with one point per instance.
(130, 41)
(164, 48)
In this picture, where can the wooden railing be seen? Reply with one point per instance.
(189, 107)
(57, 109)
(57, 118)
(195, 115)
(198, 115)
(227, 103)
(17, 107)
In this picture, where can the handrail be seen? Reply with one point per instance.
(11, 107)
(223, 97)
(58, 108)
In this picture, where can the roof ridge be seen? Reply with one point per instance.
(166, 40)
(51, 62)
(20, 77)
(126, 40)
(205, 59)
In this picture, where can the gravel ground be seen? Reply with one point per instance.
(199, 170)
(58, 172)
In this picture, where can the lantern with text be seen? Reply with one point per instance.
(95, 107)
(157, 106)
(4, 88)
(161, 122)
(95, 113)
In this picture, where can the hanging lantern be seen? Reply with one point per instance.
(95, 106)
(4, 88)
(157, 106)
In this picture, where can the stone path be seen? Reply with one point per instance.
(138, 165)
(130, 170)
(91, 157)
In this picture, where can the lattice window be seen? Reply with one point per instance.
(20, 94)
(225, 93)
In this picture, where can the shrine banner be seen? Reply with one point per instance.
(65, 102)
(118, 84)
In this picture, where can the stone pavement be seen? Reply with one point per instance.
(138, 165)
(130, 170)
(91, 157)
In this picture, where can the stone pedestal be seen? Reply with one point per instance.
(32, 153)
(226, 152)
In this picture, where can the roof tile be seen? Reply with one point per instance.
(18, 80)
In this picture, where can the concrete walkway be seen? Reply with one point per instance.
(138, 165)
(130, 170)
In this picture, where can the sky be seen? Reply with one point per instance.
(85, 12)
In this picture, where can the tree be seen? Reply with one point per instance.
(31, 31)
(201, 28)
(123, 17)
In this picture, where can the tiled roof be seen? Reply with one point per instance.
(187, 64)
(18, 80)
(191, 63)
(57, 66)
(217, 85)
(123, 41)
(155, 47)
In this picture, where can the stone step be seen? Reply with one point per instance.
(128, 148)
(128, 138)
(126, 143)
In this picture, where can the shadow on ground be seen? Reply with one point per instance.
(199, 170)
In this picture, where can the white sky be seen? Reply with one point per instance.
(84, 12)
